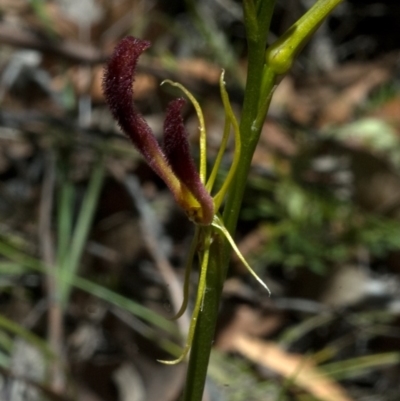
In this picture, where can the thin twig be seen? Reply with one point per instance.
(152, 233)
(68, 49)
(55, 314)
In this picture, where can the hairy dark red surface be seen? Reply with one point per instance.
(177, 151)
(176, 160)
(117, 87)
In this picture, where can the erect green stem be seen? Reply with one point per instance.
(261, 78)
(267, 90)
(205, 328)
(281, 54)
(249, 135)
(220, 250)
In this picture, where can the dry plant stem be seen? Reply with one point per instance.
(55, 330)
(68, 49)
(151, 236)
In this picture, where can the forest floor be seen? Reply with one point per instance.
(93, 247)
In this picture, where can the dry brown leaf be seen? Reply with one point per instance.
(59, 24)
(341, 108)
(273, 140)
(296, 368)
(90, 80)
(390, 112)
(250, 322)
(254, 242)
(333, 97)
(199, 69)
(14, 6)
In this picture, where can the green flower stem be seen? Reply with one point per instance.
(257, 26)
(262, 72)
(281, 54)
(205, 328)
(268, 86)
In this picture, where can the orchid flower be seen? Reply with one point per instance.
(173, 162)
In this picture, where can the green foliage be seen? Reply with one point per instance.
(306, 228)
(302, 227)
(26, 263)
(261, 81)
(237, 381)
(72, 242)
(297, 218)
(379, 235)
(383, 94)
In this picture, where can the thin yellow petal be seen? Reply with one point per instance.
(222, 148)
(199, 298)
(219, 225)
(188, 269)
(202, 128)
(219, 197)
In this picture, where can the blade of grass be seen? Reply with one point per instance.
(10, 268)
(124, 303)
(71, 262)
(97, 290)
(358, 366)
(65, 219)
(300, 330)
(6, 342)
(16, 329)
(4, 360)
(40, 9)
(220, 250)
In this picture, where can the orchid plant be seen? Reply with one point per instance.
(174, 164)
(193, 189)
